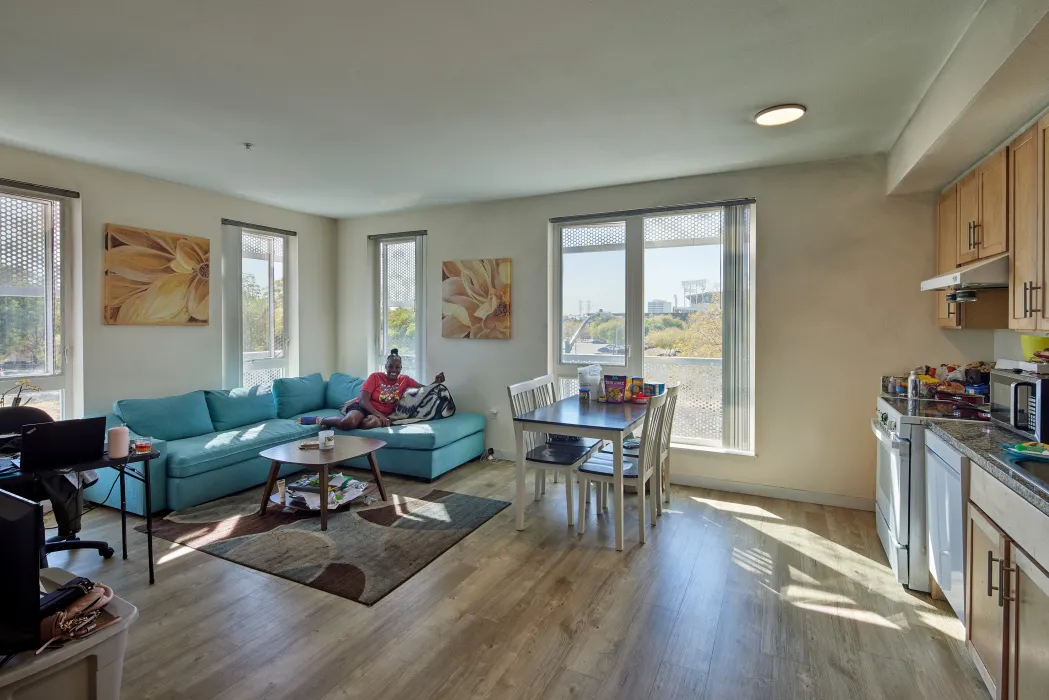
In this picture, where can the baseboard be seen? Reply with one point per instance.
(823, 499)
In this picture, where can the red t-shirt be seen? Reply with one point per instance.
(386, 394)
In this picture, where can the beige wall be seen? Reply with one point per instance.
(123, 361)
(838, 269)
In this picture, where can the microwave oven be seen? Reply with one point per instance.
(1020, 402)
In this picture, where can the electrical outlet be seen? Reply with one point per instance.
(495, 411)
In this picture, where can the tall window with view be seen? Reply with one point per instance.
(30, 302)
(399, 318)
(263, 341)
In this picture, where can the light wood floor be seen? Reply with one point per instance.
(733, 596)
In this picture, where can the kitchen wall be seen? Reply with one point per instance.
(136, 361)
(1007, 346)
(838, 305)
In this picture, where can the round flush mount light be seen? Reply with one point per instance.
(780, 114)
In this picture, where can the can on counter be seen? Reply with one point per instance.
(584, 394)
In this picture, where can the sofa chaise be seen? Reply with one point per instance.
(209, 440)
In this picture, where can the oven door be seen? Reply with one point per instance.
(892, 498)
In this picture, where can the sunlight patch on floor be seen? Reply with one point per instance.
(741, 508)
(753, 560)
(856, 614)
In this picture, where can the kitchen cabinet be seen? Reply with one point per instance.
(987, 621)
(947, 315)
(1038, 297)
(1025, 233)
(1029, 629)
(1007, 573)
(983, 210)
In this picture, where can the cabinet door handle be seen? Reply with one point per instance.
(977, 239)
(1027, 292)
(949, 311)
(970, 235)
(1030, 305)
(990, 574)
(1002, 583)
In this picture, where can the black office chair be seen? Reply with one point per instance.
(12, 418)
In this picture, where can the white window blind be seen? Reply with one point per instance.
(263, 307)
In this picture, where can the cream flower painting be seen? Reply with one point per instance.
(475, 298)
(154, 278)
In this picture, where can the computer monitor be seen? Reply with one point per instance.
(22, 538)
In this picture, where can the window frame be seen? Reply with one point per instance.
(635, 306)
(380, 312)
(59, 374)
(273, 361)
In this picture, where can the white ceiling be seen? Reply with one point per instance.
(361, 107)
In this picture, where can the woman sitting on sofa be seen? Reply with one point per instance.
(379, 396)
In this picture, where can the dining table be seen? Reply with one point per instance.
(613, 422)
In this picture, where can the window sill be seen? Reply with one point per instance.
(684, 447)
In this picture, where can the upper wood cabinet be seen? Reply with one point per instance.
(1040, 309)
(947, 313)
(968, 215)
(983, 210)
(992, 227)
(1025, 231)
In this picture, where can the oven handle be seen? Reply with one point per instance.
(1014, 401)
(890, 441)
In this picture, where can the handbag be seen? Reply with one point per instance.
(64, 596)
(79, 619)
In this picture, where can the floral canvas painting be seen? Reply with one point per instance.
(475, 298)
(154, 278)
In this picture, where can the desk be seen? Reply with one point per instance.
(594, 419)
(123, 466)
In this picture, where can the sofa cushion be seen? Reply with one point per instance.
(295, 395)
(169, 418)
(321, 412)
(428, 435)
(204, 453)
(342, 388)
(232, 408)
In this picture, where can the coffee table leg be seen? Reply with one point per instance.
(324, 496)
(270, 483)
(378, 476)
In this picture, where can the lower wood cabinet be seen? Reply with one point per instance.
(986, 613)
(1007, 623)
(1029, 626)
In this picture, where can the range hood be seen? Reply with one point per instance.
(991, 273)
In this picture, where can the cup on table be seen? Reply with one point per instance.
(143, 445)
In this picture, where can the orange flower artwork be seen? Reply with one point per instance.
(154, 278)
(475, 298)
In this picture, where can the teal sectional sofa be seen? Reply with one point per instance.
(209, 440)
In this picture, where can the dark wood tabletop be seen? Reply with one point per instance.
(592, 414)
(346, 447)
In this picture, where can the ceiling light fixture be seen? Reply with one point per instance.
(780, 114)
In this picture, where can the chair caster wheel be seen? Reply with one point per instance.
(107, 552)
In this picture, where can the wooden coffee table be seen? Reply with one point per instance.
(319, 461)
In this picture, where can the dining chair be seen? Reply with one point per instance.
(541, 453)
(600, 468)
(664, 446)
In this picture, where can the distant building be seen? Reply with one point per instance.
(658, 306)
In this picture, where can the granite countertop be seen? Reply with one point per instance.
(981, 443)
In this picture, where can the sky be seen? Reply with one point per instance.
(601, 277)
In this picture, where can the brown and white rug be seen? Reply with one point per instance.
(366, 552)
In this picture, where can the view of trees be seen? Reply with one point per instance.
(401, 331)
(255, 305)
(23, 338)
(698, 335)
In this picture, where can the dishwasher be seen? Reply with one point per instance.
(946, 476)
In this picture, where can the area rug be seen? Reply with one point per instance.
(366, 552)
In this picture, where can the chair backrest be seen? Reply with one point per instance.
(12, 418)
(528, 396)
(651, 440)
(668, 420)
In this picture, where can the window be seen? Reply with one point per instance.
(666, 295)
(400, 321)
(263, 338)
(31, 298)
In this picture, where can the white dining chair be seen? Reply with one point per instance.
(599, 468)
(664, 448)
(541, 453)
